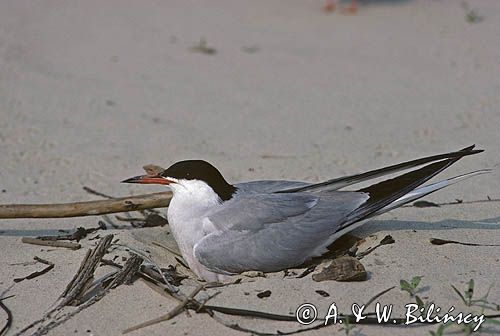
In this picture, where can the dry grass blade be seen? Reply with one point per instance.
(168, 316)
(97, 193)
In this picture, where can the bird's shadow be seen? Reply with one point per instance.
(375, 226)
(344, 244)
(33, 233)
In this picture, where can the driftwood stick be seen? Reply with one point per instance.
(51, 243)
(92, 208)
(85, 274)
(50, 265)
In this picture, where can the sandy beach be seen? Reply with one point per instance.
(90, 91)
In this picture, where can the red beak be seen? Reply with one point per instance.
(148, 179)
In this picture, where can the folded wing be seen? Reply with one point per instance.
(274, 231)
(270, 232)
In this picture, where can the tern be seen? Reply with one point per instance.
(224, 229)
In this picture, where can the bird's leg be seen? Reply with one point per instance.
(329, 6)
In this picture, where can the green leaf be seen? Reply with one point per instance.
(470, 290)
(419, 301)
(405, 285)
(459, 294)
(492, 321)
(415, 281)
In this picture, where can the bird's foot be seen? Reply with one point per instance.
(351, 9)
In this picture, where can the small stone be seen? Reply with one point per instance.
(342, 269)
(322, 293)
(264, 294)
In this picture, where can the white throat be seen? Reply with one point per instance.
(191, 199)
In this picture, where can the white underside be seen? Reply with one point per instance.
(190, 203)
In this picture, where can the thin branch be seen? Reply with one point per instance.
(10, 318)
(97, 193)
(91, 208)
(77, 235)
(131, 219)
(50, 265)
(51, 243)
(385, 241)
(438, 241)
(456, 202)
(169, 249)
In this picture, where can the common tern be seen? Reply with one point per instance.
(224, 229)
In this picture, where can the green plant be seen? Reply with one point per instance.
(410, 286)
(468, 294)
(439, 331)
(347, 326)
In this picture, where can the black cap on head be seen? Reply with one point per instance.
(203, 171)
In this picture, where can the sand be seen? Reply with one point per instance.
(90, 91)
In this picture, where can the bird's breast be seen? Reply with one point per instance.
(186, 218)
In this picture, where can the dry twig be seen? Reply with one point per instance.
(81, 285)
(33, 275)
(438, 241)
(8, 323)
(51, 243)
(92, 208)
(85, 274)
(7, 311)
(426, 204)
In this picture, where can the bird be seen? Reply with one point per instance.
(223, 229)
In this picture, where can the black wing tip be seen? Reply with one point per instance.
(354, 179)
(475, 151)
(468, 148)
(471, 149)
(469, 152)
(383, 193)
(466, 151)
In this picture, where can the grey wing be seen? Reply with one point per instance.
(270, 186)
(273, 232)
